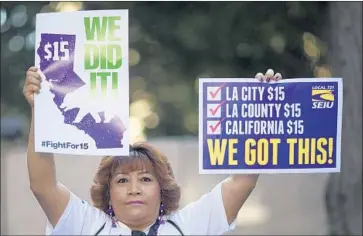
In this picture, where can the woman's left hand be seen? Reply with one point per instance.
(270, 76)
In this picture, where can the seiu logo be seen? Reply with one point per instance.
(322, 98)
(321, 105)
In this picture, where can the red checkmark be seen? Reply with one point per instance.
(214, 128)
(214, 111)
(214, 94)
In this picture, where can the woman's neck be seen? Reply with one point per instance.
(140, 225)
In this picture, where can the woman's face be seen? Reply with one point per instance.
(135, 196)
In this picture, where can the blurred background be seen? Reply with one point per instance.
(172, 44)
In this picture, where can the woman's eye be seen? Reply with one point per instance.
(122, 180)
(145, 179)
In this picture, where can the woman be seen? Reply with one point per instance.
(133, 195)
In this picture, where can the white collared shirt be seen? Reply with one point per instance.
(206, 216)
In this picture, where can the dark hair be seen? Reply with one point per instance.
(142, 156)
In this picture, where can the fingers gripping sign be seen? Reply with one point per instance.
(32, 85)
(269, 76)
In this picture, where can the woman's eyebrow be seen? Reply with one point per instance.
(119, 173)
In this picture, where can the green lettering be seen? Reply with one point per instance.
(94, 27)
(103, 56)
(112, 27)
(104, 77)
(114, 56)
(91, 57)
(114, 83)
(93, 76)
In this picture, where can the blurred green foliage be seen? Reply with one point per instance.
(172, 44)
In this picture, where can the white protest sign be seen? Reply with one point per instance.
(83, 106)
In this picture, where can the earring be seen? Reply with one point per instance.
(110, 211)
(161, 214)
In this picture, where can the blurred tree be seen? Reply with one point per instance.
(344, 190)
(17, 51)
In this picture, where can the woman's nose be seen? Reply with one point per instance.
(134, 188)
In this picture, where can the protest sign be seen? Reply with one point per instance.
(290, 126)
(83, 105)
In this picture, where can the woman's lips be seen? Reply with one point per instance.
(135, 203)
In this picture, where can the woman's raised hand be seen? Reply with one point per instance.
(269, 76)
(31, 85)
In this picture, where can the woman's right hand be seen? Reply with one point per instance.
(31, 85)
